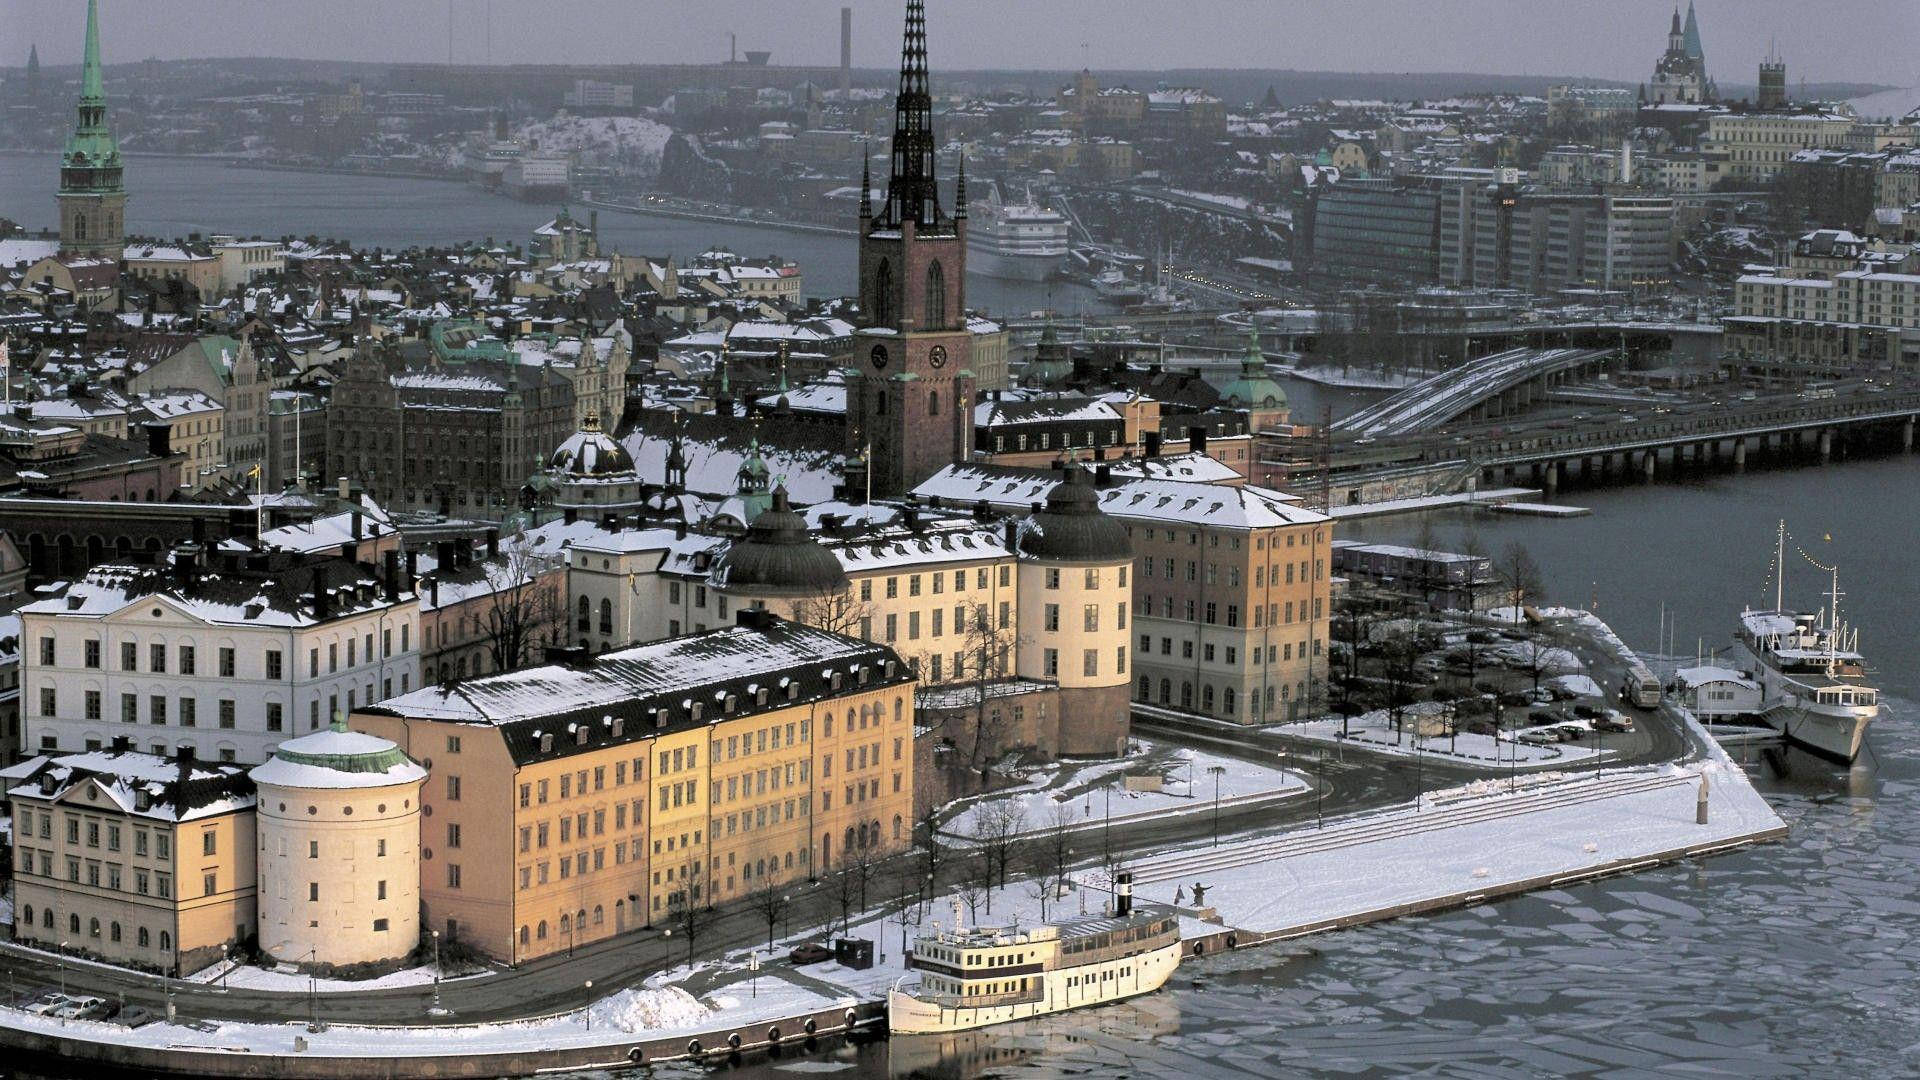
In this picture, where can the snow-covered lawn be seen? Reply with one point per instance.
(1187, 780)
(1482, 851)
(1374, 732)
(286, 978)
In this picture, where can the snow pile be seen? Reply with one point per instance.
(647, 1010)
(632, 141)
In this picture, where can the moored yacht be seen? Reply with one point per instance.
(1812, 677)
(971, 977)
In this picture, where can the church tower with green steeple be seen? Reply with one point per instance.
(93, 196)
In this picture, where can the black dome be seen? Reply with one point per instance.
(1073, 528)
(778, 557)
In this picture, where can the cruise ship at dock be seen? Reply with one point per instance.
(970, 977)
(1017, 241)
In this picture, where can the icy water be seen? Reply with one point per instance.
(175, 197)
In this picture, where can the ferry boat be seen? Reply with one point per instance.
(970, 977)
(1812, 677)
(1016, 241)
(1115, 287)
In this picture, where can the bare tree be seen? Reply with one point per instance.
(984, 656)
(973, 892)
(1049, 853)
(771, 904)
(845, 891)
(688, 919)
(997, 828)
(863, 870)
(1519, 575)
(1399, 657)
(839, 613)
(933, 853)
(525, 609)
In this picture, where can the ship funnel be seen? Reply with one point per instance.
(1123, 894)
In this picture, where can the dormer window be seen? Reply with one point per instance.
(619, 726)
(889, 669)
(580, 736)
(727, 703)
(864, 672)
(793, 691)
(834, 680)
(546, 743)
(693, 713)
(760, 696)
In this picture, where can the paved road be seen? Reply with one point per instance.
(1346, 780)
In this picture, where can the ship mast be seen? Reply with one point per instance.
(1780, 567)
(1833, 628)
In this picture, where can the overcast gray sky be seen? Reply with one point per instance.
(1823, 40)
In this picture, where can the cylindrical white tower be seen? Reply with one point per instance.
(1074, 594)
(339, 827)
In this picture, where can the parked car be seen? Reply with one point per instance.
(1588, 712)
(1613, 721)
(134, 1016)
(77, 1008)
(810, 953)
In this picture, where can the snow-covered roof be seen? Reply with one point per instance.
(624, 696)
(338, 759)
(1696, 677)
(137, 784)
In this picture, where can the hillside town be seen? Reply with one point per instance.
(556, 634)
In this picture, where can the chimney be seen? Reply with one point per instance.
(320, 597)
(433, 590)
(569, 514)
(911, 514)
(1123, 894)
(22, 410)
(391, 565)
(356, 525)
(346, 488)
(443, 555)
(1197, 439)
(413, 567)
(572, 656)
(199, 530)
(493, 542)
(159, 439)
(1103, 476)
(1153, 444)
(680, 529)
(846, 51)
(1012, 530)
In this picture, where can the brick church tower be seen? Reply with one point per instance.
(912, 404)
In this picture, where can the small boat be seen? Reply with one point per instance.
(970, 977)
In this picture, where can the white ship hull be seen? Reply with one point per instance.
(1834, 737)
(987, 262)
(1097, 984)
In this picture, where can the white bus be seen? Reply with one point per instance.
(1640, 689)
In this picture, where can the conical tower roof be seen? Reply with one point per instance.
(1254, 387)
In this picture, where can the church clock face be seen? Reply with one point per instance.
(878, 356)
(937, 356)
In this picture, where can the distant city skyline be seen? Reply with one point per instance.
(1616, 40)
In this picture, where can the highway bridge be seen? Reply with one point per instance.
(1492, 386)
(1641, 444)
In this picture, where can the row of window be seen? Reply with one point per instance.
(143, 938)
(1228, 697)
(1089, 662)
(98, 875)
(1209, 613)
(186, 658)
(184, 711)
(95, 829)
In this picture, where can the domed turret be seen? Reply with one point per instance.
(1052, 361)
(591, 453)
(778, 558)
(1073, 528)
(1254, 389)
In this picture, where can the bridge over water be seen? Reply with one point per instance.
(1495, 385)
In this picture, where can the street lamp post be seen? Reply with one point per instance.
(435, 1009)
(1216, 770)
(1106, 826)
(587, 1012)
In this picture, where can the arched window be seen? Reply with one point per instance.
(79, 226)
(586, 614)
(73, 923)
(883, 294)
(1226, 700)
(1166, 691)
(599, 914)
(113, 933)
(566, 924)
(145, 939)
(26, 913)
(1206, 698)
(936, 303)
(606, 616)
(46, 919)
(896, 826)
(166, 941)
(524, 935)
(933, 403)
(880, 403)
(540, 931)
(847, 846)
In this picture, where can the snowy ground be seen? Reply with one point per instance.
(1082, 799)
(655, 1011)
(1469, 845)
(1374, 732)
(287, 978)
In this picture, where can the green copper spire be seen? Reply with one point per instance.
(91, 163)
(92, 88)
(92, 193)
(1254, 389)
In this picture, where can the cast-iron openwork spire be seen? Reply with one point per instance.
(912, 194)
